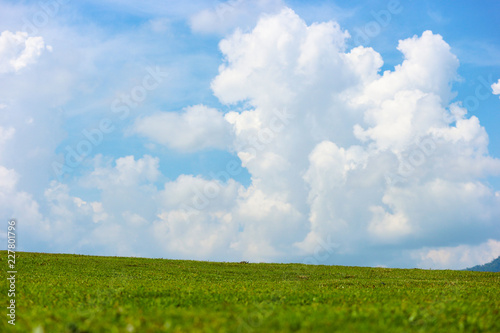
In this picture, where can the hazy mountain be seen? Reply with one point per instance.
(493, 266)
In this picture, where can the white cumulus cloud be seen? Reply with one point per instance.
(496, 88)
(197, 127)
(358, 138)
(127, 172)
(18, 50)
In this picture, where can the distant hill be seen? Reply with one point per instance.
(493, 266)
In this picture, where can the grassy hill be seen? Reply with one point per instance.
(72, 293)
(493, 266)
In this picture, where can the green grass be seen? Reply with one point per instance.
(72, 293)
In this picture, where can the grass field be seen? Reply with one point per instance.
(71, 293)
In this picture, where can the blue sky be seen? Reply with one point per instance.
(328, 132)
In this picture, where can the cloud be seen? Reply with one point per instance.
(6, 134)
(127, 172)
(227, 16)
(346, 161)
(387, 226)
(196, 219)
(189, 217)
(15, 203)
(159, 25)
(359, 138)
(17, 50)
(458, 257)
(496, 88)
(280, 48)
(8, 179)
(197, 127)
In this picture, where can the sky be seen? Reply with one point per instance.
(362, 133)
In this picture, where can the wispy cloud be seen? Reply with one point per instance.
(227, 16)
